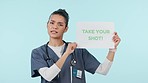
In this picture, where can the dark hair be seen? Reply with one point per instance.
(63, 13)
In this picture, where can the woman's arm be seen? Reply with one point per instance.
(112, 51)
(105, 66)
(69, 50)
(51, 72)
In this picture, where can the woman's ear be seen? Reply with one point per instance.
(66, 28)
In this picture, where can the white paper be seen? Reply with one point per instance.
(95, 34)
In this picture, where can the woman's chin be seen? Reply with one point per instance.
(55, 37)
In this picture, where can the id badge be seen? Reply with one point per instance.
(77, 73)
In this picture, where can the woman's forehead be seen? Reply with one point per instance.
(57, 18)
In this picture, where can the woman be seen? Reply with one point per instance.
(61, 62)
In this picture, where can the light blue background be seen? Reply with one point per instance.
(23, 27)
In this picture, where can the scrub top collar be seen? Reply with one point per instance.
(53, 55)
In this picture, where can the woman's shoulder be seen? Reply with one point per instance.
(39, 48)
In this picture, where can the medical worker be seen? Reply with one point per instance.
(59, 61)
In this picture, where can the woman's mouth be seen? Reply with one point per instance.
(53, 31)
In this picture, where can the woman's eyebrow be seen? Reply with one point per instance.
(61, 22)
(52, 20)
(57, 22)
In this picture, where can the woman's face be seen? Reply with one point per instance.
(56, 26)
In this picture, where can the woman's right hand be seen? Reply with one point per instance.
(71, 47)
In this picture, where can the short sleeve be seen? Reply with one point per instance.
(90, 62)
(37, 62)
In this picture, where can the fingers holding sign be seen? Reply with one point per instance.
(116, 39)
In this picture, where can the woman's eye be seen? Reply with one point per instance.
(60, 25)
(51, 23)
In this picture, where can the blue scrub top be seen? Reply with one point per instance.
(84, 61)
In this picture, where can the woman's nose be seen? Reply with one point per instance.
(54, 26)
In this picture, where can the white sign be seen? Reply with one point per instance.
(95, 34)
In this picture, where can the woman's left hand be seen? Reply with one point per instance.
(116, 39)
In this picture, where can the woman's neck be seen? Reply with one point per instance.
(56, 42)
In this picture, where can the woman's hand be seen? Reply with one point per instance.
(116, 39)
(71, 47)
